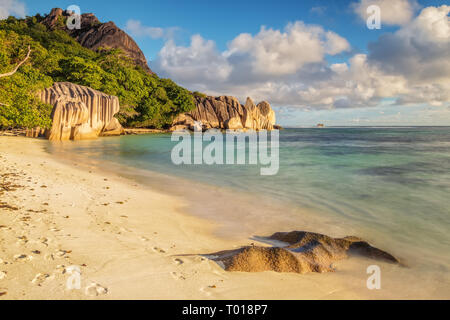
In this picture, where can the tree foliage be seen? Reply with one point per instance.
(146, 100)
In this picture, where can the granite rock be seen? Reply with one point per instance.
(95, 35)
(80, 112)
(227, 112)
(303, 252)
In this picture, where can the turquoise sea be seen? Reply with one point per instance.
(390, 186)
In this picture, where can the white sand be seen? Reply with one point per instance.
(132, 242)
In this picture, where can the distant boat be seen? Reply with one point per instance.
(320, 125)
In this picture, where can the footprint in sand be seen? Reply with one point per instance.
(62, 253)
(177, 276)
(22, 257)
(60, 269)
(158, 250)
(95, 290)
(178, 261)
(44, 241)
(2, 275)
(40, 279)
(22, 240)
(49, 257)
(206, 290)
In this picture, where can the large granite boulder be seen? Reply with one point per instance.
(80, 112)
(94, 35)
(304, 252)
(227, 113)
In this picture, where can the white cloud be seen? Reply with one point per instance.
(196, 64)
(11, 7)
(393, 12)
(419, 52)
(339, 68)
(319, 10)
(289, 67)
(432, 24)
(137, 29)
(266, 55)
(273, 52)
(335, 44)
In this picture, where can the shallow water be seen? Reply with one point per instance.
(390, 186)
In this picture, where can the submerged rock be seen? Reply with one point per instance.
(80, 112)
(305, 252)
(227, 112)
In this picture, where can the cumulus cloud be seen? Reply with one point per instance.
(419, 52)
(250, 58)
(393, 12)
(273, 52)
(335, 44)
(289, 67)
(11, 8)
(137, 29)
(199, 63)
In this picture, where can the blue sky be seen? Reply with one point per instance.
(335, 87)
(222, 20)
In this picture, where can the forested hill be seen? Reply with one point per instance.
(146, 100)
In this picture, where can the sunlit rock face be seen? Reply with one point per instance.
(95, 35)
(227, 112)
(80, 113)
(301, 252)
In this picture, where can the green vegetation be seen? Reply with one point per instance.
(146, 100)
(199, 94)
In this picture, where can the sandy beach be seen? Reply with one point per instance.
(132, 242)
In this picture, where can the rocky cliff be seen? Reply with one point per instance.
(80, 113)
(227, 113)
(94, 35)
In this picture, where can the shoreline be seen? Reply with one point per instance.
(130, 241)
(143, 131)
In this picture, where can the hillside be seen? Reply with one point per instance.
(94, 35)
(57, 55)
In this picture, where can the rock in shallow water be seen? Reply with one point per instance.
(305, 252)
